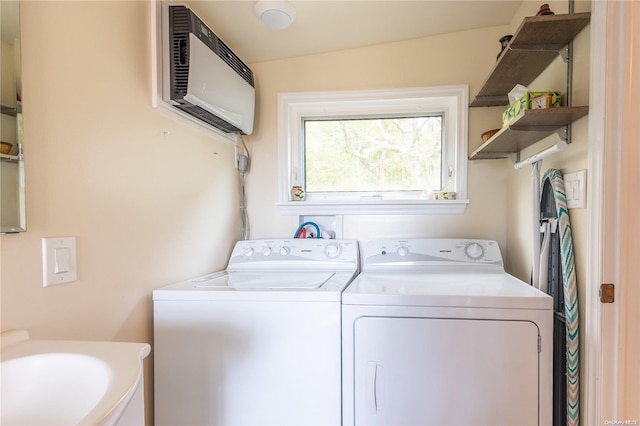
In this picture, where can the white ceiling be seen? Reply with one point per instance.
(329, 25)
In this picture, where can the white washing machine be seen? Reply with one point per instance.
(436, 333)
(258, 343)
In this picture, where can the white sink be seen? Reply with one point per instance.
(56, 382)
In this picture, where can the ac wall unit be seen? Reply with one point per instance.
(202, 77)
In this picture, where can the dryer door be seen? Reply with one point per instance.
(438, 371)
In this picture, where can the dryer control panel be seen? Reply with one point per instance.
(417, 252)
(295, 253)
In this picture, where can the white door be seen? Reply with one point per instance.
(435, 371)
(612, 343)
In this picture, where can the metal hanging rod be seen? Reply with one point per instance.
(541, 155)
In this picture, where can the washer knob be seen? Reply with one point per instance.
(332, 250)
(403, 251)
(249, 252)
(284, 251)
(266, 251)
(474, 250)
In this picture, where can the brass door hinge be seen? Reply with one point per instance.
(607, 293)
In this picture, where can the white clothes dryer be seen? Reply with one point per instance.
(258, 343)
(435, 332)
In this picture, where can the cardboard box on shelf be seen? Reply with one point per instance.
(531, 100)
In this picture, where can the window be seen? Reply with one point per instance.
(372, 156)
(381, 151)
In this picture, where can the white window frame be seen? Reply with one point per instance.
(293, 108)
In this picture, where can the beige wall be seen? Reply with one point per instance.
(631, 244)
(500, 197)
(459, 58)
(574, 158)
(150, 200)
(631, 271)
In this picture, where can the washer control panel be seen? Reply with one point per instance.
(432, 252)
(298, 252)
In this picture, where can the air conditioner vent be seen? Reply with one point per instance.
(234, 62)
(181, 21)
(206, 116)
(180, 62)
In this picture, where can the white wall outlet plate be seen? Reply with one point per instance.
(575, 188)
(59, 263)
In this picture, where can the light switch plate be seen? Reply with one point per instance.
(575, 188)
(59, 261)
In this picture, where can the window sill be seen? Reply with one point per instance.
(399, 207)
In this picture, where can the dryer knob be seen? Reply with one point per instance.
(474, 251)
(332, 250)
(284, 251)
(249, 252)
(403, 251)
(266, 251)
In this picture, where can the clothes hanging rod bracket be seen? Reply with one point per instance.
(514, 156)
(561, 49)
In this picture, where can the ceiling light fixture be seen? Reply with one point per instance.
(276, 15)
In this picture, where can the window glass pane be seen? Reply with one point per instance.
(373, 154)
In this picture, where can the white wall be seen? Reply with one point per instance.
(459, 58)
(150, 200)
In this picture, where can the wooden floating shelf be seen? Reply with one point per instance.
(9, 158)
(12, 111)
(534, 46)
(529, 127)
